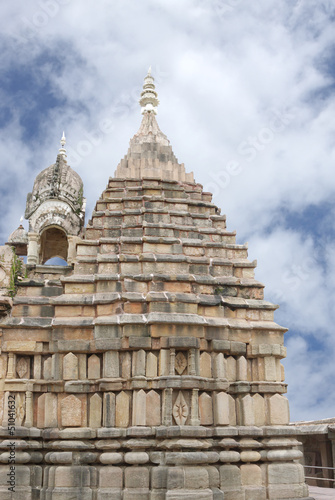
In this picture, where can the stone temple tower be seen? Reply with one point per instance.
(151, 368)
(56, 212)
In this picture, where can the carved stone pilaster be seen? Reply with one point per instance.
(195, 420)
(172, 361)
(29, 409)
(10, 365)
(191, 362)
(167, 407)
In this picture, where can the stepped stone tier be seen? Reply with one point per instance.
(150, 369)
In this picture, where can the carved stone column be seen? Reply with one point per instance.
(33, 248)
(191, 362)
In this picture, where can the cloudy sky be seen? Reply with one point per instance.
(247, 101)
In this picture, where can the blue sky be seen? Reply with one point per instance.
(247, 101)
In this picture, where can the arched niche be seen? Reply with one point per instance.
(53, 243)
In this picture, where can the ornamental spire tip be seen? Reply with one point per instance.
(149, 97)
(62, 150)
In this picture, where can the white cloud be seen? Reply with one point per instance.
(225, 71)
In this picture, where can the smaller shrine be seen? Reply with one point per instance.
(56, 212)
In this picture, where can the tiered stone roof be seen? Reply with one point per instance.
(151, 370)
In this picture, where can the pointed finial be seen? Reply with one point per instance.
(149, 100)
(62, 150)
(21, 219)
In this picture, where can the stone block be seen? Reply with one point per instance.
(71, 411)
(67, 493)
(159, 477)
(206, 409)
(109, 494)
(285, 474)
(251, 474)
(47, 368)
(111, 368)
(82, 372)
(93, 367)
(259, 410)
(164, 362)
(230, 477)
(111, 458)
(270, 370)
(231, 369)
(136, 458)
(22, 475)
(241, 368)
(151, 365)
(224, 409)
(234, 494)
(110, 477)
(255, 493)
(107, 331)
(189, 495)
(213, 476)
(138, 366)
(47, 410)
(230, 456)
(95, 411)
(122, 413)
(109, 409)
(220, 366)
(136, 494)
(217, 494)
(286, 491)
(196, 478)
(175, 478)
(139, 408)
(247, 414)
(157, 495)
(75, 476)
(136, 477)
(70, 367)
(139, 342)
(153, 408)
(250, 456)
(205, 365)
(278, 410)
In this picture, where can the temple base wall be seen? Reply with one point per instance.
(143, 463)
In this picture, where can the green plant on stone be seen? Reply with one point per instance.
(16, 272)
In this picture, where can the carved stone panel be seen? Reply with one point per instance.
(180, 363)
(180, 410)
(22, 367)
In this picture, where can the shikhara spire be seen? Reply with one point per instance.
(149, 100)
(62, 150)
(150, 153)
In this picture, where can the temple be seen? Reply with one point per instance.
(148, 366)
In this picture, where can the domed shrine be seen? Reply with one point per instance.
(151, 368)
(55, 211)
